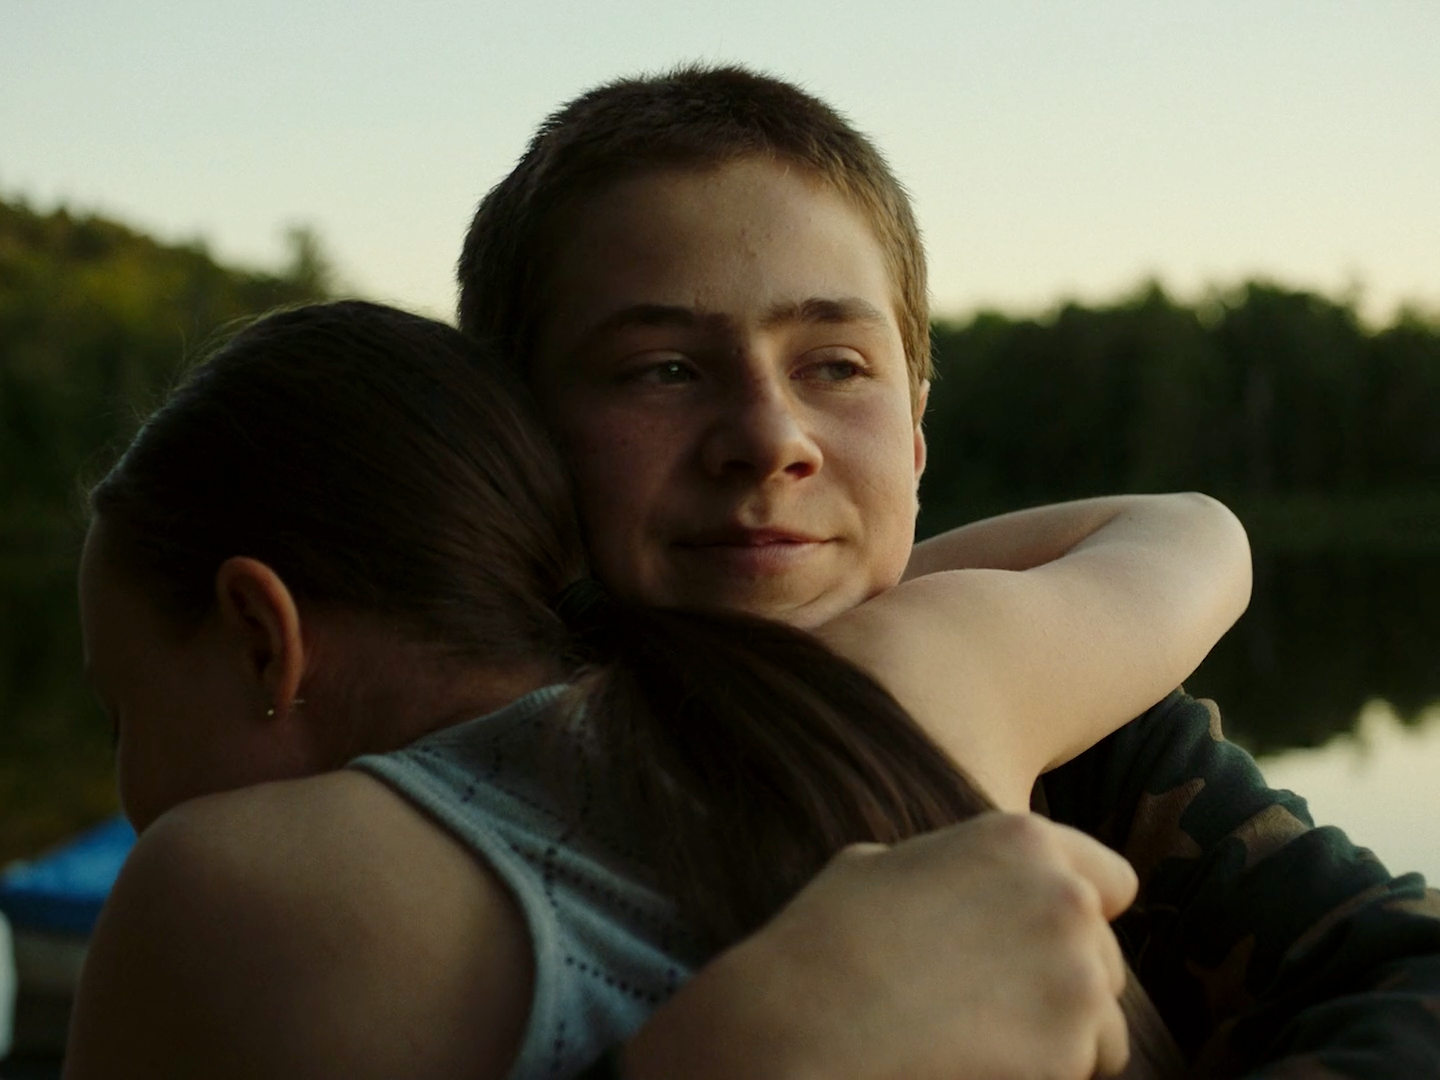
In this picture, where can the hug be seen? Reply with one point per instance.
(487, 700)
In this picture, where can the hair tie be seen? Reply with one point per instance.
(581, 605)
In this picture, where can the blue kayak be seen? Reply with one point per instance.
(62, 891)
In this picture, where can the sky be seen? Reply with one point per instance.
(1055, 149)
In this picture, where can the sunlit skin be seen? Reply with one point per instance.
(722, 362)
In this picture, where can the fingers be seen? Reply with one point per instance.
(995, 951)
(1115, 885)
(1112, 1047)
(1088, 886)
(1114, 960)
(1113, 878)
(859, 850)
(1029, 836)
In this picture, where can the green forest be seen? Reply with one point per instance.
(1317, 430)
(95, 322)
(1320, 431)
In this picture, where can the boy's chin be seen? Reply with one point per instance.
(803, 585)
(804, 608)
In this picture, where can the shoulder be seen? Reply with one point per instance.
(945, 646)
(317, 927)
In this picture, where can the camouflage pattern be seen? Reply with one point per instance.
(1271, 947)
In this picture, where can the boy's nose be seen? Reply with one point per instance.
(760, 434)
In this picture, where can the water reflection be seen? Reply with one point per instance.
(1332, 677)
(1378, 783)
(1325, 634)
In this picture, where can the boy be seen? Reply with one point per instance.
(716, 290)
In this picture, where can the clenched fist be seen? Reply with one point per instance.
(979, 952)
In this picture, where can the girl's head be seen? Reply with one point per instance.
(365, 470)
(344, 530)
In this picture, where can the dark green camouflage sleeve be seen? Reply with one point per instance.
(1272, 948)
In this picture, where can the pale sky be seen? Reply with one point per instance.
(1054, 149)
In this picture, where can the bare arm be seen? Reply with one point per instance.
(1024, 539)
(320, 929)
(1021, 640)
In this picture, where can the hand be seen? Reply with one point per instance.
(979, 951)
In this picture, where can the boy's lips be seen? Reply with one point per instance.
(746, 552)
(744, 536)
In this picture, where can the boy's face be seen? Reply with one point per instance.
(722, 364)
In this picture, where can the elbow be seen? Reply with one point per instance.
(1229, 544)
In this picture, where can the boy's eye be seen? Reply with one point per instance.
(663, 373)
(833, 369)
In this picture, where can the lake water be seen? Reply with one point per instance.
(1379, 782)
(1332, 678)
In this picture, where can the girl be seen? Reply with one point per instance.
(344, 539)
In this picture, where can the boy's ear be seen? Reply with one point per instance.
(257, 606)
(921, 451)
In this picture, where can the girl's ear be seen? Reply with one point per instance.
(255, 604)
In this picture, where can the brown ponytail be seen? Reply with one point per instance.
(746, 754)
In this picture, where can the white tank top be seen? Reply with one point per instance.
(608, 946)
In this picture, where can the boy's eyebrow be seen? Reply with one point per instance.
(651, 315)
(849, 309)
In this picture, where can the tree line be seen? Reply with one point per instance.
(1320, 430)
(1259, 394)
(96, 320)
(1263, 396)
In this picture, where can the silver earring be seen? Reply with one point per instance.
(271, 710)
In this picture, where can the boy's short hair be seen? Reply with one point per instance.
(696, 117)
